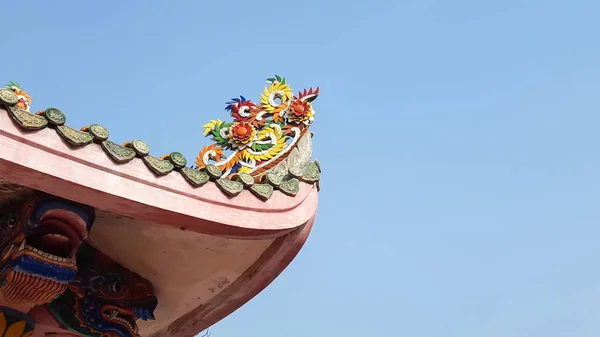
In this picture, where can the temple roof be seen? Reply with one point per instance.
(270, 143)
(239, 214)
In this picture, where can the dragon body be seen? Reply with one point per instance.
(261, 134)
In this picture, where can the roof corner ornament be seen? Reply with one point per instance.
(262, 135)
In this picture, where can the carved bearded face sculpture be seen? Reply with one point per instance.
(39, 238)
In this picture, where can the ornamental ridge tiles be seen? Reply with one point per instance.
(268, 143)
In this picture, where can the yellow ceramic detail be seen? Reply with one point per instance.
(275, 97)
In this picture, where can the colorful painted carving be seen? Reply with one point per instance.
(40, 236)
(261, 135)
(24, 100)
(46, 261)
(107, 299)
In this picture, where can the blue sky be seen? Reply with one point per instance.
(458, 140)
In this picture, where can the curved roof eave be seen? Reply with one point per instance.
(41, 160)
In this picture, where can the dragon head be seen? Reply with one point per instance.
(106, 301)
(24, 101)
(39, 237)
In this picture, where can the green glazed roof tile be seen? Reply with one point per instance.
(195, 177)
(311, 173)
(55, 116)
(290, 187)
(246, 179)
(230, 187)
(140, 147)
(157, 165)
(27, 120)
(8, 97)
(118, 153)
(178, 159)
(272, 179)
(213, 171)
(74, 137)
(263, 191)
(99, 132)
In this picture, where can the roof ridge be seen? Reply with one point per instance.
(262, 180)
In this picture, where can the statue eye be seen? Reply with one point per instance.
(12, 222)
(116, 287)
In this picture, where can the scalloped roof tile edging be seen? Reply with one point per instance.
(55, 119)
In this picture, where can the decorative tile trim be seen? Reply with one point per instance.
(16, 103)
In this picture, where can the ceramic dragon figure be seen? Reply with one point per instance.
(262, 135)
(107, 299)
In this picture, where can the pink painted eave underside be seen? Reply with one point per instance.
(42, 160)
(255, 279)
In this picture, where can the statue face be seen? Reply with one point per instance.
(39, 238)
(44, 260)
(106, 301)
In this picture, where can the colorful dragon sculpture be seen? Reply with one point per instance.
(261, 135)
(107, 299)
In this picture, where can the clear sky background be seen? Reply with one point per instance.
(458, 139)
